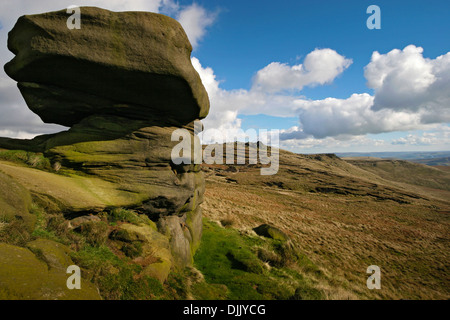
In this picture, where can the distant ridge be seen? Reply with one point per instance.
(408, 155)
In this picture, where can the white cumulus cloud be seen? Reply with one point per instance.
(406, 80)
(195, 20)
(320, 66)
(352, 116)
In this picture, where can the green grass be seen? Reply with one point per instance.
(112, 275)
(119, 279)
(51, 231)
(91, 257)
(13, 231)
(230, 259)
(124, 215)
(31, 159)
(116, 276)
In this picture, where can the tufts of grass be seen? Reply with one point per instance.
(13, 231)
(310, 294)
(31, 159)
(133, 249)
(54, 227)
(126, 215)
(207, 291)
(229, 221)
(176, 286)
(270, 257)
(243, 259)
(120, 279)
(95, 233)
(233, 261)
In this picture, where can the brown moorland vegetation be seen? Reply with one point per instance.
(346, 216)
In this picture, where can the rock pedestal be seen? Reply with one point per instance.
(122, 83)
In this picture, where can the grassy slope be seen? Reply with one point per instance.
(406, 172)
(76, 192)
(252, 268)
(344, 219)
(444, 161)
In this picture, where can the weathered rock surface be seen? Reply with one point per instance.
(123, 83)
(156, 256)
(24, 276)
(15, 201)
(54, 254)
(133, 64)
(137, 161)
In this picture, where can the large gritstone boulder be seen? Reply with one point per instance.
(133, 64)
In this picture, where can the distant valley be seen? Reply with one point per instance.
(432, 158)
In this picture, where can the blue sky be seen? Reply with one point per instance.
(248, 35)
(246, 52)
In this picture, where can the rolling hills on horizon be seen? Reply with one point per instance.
(431, 158)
